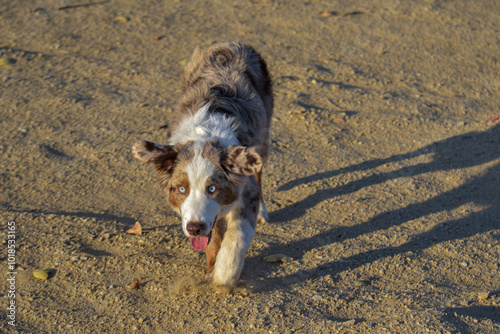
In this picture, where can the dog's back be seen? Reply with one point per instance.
(232, 79)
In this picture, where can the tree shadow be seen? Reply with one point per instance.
(448, 154)
(480, 313)
(471, 149)
(123, 222)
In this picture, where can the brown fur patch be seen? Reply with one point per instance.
(214, 245)
(243, 160)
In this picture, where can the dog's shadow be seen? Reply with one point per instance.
(462, 151)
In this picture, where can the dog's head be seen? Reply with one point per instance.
(200, 180)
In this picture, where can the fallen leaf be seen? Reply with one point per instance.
(41, 274)
(277, 258)
(327, 14)
(4, 61)
(122, 19)
(135, 284)
(325, 61)
(137, 229)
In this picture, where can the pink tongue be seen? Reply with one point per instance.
(200, 243)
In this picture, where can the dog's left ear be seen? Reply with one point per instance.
(162, 156)
(242, 160)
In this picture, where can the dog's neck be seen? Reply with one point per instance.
(203, 126)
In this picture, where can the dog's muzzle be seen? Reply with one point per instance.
(195, 230)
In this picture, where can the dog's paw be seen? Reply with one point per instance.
(223, 289)
(209, 277)
(223, 283)
(263, 216)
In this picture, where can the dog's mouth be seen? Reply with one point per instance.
(200, 243)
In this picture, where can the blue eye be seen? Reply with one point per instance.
(182, 190)
(211, 189)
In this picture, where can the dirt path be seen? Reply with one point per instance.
(383, 183)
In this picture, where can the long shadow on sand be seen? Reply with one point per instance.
(467, 150)
(449, 154)
(123, 222)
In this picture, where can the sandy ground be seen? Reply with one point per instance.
(384, 167)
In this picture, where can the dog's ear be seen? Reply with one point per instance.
(242, 160)
(162, 156)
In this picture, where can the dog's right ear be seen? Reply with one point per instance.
(162, 156)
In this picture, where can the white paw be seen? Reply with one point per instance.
(263, 216)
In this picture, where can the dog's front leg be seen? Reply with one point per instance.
(214, 246)
(231, 256)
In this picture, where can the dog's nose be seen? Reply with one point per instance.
(194, 228)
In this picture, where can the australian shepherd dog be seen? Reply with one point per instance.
(210, 168)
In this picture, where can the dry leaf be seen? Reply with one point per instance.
(325, 61)
(41, 274)
(122, 19)
(327, 14)
(135, 284)
(137, 229)
(5, 61)
(277, 258)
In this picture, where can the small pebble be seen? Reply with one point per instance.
(349, 322)
(317, 297)
(483, 295)
(359, 283)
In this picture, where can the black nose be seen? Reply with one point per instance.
(194, 228)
